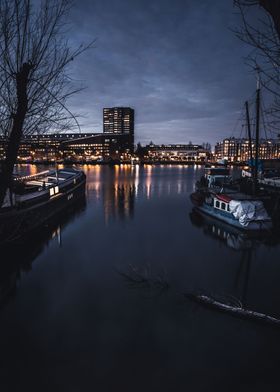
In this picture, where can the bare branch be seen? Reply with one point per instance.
(34, 58)
(263, 35)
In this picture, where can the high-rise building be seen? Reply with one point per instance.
(118, 120)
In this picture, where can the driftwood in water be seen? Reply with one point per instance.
(144, 278)
(235, 310)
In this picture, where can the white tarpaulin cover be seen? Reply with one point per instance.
(248, 210)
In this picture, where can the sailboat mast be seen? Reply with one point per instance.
(249, 131)
(257, 136)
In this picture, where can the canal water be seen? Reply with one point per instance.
(95, 300)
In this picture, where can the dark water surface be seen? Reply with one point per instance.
(85, 305)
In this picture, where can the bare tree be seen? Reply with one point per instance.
(272, 7)
(34, 86)
(264, 37)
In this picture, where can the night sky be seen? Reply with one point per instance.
(177, 63)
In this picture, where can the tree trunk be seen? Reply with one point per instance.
(16, 132)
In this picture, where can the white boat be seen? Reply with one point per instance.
(238, 210)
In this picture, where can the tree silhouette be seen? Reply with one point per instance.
(264, 37)
(34, 86)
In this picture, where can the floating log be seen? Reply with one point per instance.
(237, 311)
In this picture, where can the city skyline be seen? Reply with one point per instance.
(180, 67)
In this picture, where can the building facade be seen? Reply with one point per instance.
(176, 152)
(119, 121)
(71, 146)
(116, 142)
(238, 150)
(100, 146)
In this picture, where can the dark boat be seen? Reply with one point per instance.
(38, 198)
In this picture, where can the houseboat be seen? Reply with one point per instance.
(36, 199)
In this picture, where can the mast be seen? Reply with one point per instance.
(249, 131)
(257, 135)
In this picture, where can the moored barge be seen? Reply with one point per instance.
(38, 198)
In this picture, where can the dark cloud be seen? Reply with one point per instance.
(176, 62)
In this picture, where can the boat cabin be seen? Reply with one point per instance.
(217, 176)
(221, 202)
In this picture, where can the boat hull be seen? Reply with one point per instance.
(17, 224)
(251, 227)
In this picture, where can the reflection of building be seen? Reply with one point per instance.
(119, 202)
(119, 192)
(176, 152)
(238, 150)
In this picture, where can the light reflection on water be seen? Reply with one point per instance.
(69, 314)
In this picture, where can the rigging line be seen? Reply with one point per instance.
(268, 121)
(241, 132)
(273, 133)
(251, 103)
(263, 120)
(236, 123)
(243, 126)
(252, 116)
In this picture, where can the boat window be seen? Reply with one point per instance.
(217, 204)
(223, 206)
(228, 208)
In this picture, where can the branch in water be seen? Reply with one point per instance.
(144, 278)
(238, 311)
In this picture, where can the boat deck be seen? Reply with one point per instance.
(234, 195)
(46, 184)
